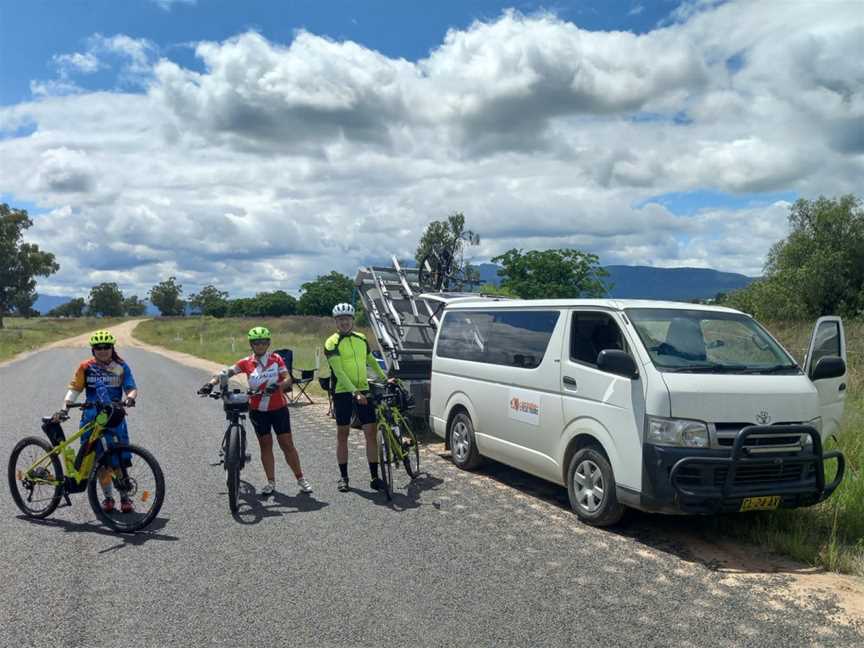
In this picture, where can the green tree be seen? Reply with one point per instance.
(106, 300)
(275, 304)
(320, 296)
(166, 296)
(210, 301)
(133, 306)
(447, 238)
(72, 308)
(549, 274)
(817, 270)
(242, 307)
(20, 263)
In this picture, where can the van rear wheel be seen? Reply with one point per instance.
(591, 487)
(463, 446)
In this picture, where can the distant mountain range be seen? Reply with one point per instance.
(647, 282)
(628, 282)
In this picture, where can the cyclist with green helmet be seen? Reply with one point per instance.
(348, 354)
(105, 378)
(268, 408)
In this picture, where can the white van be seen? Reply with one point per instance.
(660, 406)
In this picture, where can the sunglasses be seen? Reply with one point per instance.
(260, 341)
(102, 347)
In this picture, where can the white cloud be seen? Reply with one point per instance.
(167, 5)
(282, 161)
(76, 63)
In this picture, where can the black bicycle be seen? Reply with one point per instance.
(443, 267)
(236, 404)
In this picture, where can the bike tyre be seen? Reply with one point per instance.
(233, 465)
(158, 495)
(384, 463)
(14, 484)
(412, 454)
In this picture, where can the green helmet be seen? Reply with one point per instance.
(102, 337)
(259, 333)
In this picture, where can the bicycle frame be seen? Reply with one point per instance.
(77, 467)
(388, 416)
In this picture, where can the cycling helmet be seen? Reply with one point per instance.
(259, 333)
(343, 309)
(102, 337)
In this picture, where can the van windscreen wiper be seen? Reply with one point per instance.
(773, 369)
(710, 367)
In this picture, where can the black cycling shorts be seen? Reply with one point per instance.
(344, 405)
(279, 420)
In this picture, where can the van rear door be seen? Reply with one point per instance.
(828, 339)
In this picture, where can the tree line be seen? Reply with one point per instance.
(818, 269)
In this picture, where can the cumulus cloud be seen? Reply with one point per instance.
(280, 161)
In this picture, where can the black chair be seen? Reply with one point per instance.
(301, 381)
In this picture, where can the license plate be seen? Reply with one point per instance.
(766, 503)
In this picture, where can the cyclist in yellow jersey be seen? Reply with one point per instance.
(348, 354)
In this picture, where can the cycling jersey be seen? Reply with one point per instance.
(349, 355)
(269, 370)
(103, 383)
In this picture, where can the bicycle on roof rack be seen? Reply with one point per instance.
(443, 267)
(41, 472)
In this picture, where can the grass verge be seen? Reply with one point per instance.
(21, 334)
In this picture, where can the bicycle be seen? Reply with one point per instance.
(397, 442)
(443, 267)
(235, 403)
(40, 481)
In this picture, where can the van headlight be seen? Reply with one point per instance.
(816, 423)
(677, 432)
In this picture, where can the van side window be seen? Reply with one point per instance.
(502, 337)
(591, 333)
(827, 341)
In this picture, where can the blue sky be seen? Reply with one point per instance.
(266, 143)
(33, 32)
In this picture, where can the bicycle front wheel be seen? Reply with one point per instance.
(35, 487)
(412, 452)
(384, 463)
(233, 463)
(134, 475)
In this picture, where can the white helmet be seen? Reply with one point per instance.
(343, 309)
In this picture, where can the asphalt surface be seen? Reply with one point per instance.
(459, 559)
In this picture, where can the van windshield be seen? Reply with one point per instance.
(699, 341)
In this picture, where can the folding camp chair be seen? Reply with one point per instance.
(301, 381)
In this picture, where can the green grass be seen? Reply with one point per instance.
(224, 340)
(830, 534)
(20, 334)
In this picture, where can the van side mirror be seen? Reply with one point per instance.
(617, 362)
(828, 367)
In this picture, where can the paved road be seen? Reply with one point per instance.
(460, 559)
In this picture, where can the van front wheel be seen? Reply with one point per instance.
(463, 446)
(591, 487)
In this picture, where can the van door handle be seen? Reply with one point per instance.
(569, 381)
(842, 387)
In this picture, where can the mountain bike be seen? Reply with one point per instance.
(41, 472)
(235, 403)
(443, 268)
(396, 440)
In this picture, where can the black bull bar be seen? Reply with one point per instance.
(808, 489)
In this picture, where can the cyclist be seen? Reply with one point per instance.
(105, 378)
(348, 354)
(267, 374)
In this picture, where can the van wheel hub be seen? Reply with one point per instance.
(589, 486)
(460, 443)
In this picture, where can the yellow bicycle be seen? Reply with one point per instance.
(396, 440)
(37, 480)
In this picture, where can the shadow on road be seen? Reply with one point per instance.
(694, 539)
(254, 508)
(403, 500)
(125, 539)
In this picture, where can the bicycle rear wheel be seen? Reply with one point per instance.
(384, 463)
(137, 477)
(37, 490)
(233, 464)
(412, 452)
